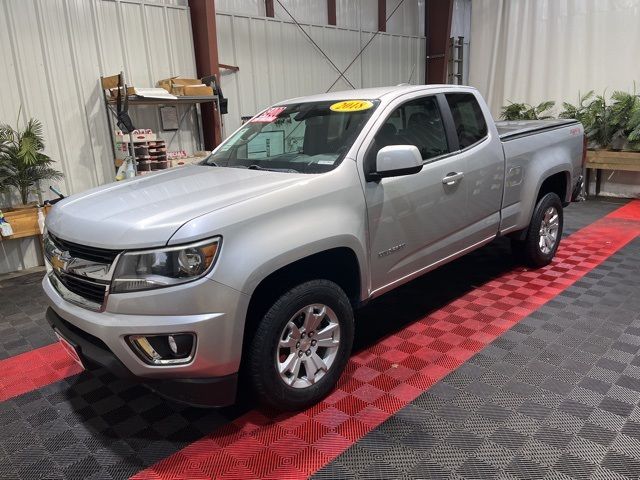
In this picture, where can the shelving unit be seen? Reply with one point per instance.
(137, 101)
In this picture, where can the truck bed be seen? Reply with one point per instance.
(509, 130)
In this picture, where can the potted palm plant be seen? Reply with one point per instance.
(524, 111)
(23, 165)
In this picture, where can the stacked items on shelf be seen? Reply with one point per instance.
(150, 153)
(181, 158)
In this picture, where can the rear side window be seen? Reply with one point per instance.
(418, 123)
(468, 118)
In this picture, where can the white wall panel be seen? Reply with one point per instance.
(51, 71)
(255, 8)
(352, 14)
(406, 20)
(278, 62)
(304, 11)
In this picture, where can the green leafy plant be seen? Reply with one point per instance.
(578, 112)
(608, 123)
(597, 127)
(22, 161)
(623, 107)
(524, 111)
(634, 130)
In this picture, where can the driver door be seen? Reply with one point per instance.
(415, 220)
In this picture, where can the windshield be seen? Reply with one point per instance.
(310, 137)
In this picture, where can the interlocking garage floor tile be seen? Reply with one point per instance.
(22, 323)
(571, 411)
(423, 352)
(96, 426)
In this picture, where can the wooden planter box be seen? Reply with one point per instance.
(612, 160)
(599, 160)
(23, 222)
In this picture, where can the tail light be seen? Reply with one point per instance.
(584, 150)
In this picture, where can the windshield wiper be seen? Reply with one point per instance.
(258, 167)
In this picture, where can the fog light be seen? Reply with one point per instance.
(172, 349)
(172, 345)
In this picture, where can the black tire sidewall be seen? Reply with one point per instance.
(265, 378)
(530, 249)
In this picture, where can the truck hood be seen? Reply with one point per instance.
(146, 211)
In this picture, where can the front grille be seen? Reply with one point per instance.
(92, 291)
(100, 255)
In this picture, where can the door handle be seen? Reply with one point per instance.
(452, 178)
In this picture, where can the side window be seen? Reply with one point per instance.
(418, 123)
(468, 118)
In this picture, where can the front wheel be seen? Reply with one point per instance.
(543, 235)
(301, 346)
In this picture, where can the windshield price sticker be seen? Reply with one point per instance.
(351, 106)
(269, 115)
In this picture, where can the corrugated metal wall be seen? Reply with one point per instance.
(354, 14)
(277, 61)
(53, 54)
(55, 51)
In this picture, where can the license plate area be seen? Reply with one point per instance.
(71, 349)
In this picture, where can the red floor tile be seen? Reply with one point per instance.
(371, 390)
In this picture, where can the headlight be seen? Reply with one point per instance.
(164, 267)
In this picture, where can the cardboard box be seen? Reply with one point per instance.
(177, 85)
(186, 81)
(110, 82)
(198, 90)
(114, 91)
(141, 135)
(122, 150)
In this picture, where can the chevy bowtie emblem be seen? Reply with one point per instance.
(60, 261)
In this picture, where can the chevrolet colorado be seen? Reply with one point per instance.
(250, 264)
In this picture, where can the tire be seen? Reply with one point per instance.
(285, 340)
(534, 251)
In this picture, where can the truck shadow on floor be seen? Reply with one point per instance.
(393, 311)
(141, 428)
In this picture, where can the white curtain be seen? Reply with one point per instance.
(535, 50)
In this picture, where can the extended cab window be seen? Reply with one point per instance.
(418, 123)
(471, 126)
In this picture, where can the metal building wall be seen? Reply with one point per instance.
(277, 61)
(53, 54)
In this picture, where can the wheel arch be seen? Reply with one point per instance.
(339, 265)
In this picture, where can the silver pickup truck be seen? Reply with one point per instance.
(248, 267)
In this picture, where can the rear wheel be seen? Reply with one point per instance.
(543, 235)
(301, 345)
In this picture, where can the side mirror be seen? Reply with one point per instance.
(396, 161)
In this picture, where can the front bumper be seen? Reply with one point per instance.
(203, 392)
(212, 311)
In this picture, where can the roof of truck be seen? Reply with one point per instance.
(364, 93)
